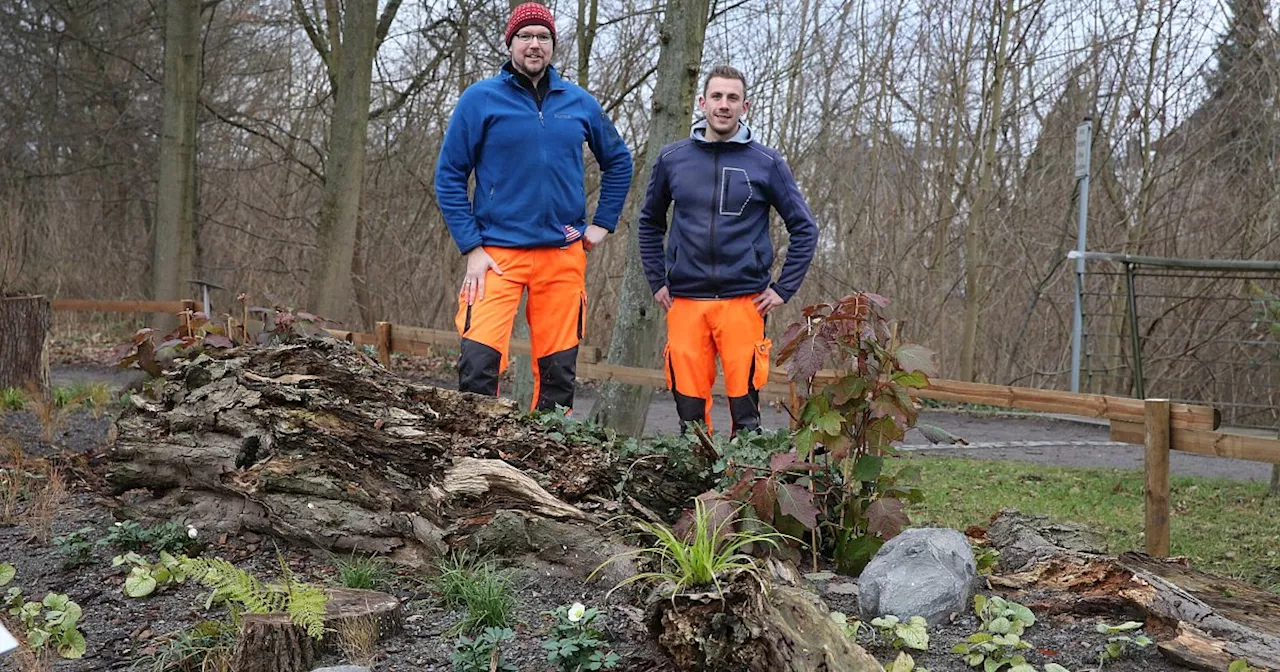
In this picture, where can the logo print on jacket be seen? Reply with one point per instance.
(733, 196)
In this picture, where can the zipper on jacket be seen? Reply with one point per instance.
(715, 213)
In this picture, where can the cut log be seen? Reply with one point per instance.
(1200, 620)
(272, 643)
(24, 342)
(753, 626)
(317, 443)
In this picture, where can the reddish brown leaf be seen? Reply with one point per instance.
(809, 357)
(218, 341)
(886, 518)
(781, 461)
(764, 497)
(796, 501)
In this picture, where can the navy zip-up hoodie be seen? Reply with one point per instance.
(527, 156)
(718, 245)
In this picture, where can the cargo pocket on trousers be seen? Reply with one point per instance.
(760, 367)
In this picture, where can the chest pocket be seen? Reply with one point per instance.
(735, 191)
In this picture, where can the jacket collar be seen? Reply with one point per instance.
(552, 77)
(742, 137)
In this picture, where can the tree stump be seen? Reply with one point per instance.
(24, 341)
(354, 621)
(756, 624)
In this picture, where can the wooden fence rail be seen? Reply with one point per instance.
(1156, 424)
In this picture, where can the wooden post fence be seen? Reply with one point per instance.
(1156, 463)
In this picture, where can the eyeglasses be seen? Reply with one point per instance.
(543, 38)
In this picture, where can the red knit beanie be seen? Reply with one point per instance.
(530, 14)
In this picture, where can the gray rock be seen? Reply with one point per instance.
(342, 668)
(925, 572)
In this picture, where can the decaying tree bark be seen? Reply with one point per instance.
(756, 624)
(1197, 619)
(315, 442)
(272, 643)
(24, 341)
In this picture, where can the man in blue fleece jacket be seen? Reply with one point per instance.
(525, 227)
(714, 273)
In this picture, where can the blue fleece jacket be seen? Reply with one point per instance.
(527, 157)
(718, 245)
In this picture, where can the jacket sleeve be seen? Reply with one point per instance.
(457, 159)
(615, 167)
(801, 228)
(651, 228)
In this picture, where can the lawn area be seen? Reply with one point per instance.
(1225, 527)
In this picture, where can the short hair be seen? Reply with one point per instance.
(724, 71)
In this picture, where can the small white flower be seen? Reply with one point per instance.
(118, 524)
(576, 612)
(310, 505)
(191, 531)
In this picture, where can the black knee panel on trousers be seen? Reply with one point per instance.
(556, 373)
(478, 368)
(745, 412)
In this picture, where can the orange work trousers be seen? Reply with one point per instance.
(556, 310)
(697, 331)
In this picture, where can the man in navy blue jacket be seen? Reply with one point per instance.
(525, 227)
(714, 274)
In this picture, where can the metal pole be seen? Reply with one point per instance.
(1139, 386)
(1084, 144)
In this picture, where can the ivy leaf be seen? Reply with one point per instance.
(914, 634)
(139, 583)
(903, 663)
(830, 423)
(916, 379)
(913, 357)
(804, 441)
(796, 501)
(1024, 614)
(848, 388)
(868, 468)
(886, 518)
(882, 433)
(72, 645)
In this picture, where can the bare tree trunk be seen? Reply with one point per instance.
(978, 218)
(173, 255)
(588, 21)
(24, 341)
(330, 289)
(637, 327)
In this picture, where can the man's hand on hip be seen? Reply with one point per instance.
(478, 264)
(593, 235)
(663, 297)
(767, 300)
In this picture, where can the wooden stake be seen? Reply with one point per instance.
(1157, 476)
(383, 332)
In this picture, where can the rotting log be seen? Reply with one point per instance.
(1198, 620)
(317, 443)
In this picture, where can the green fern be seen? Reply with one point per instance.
(304, 602)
